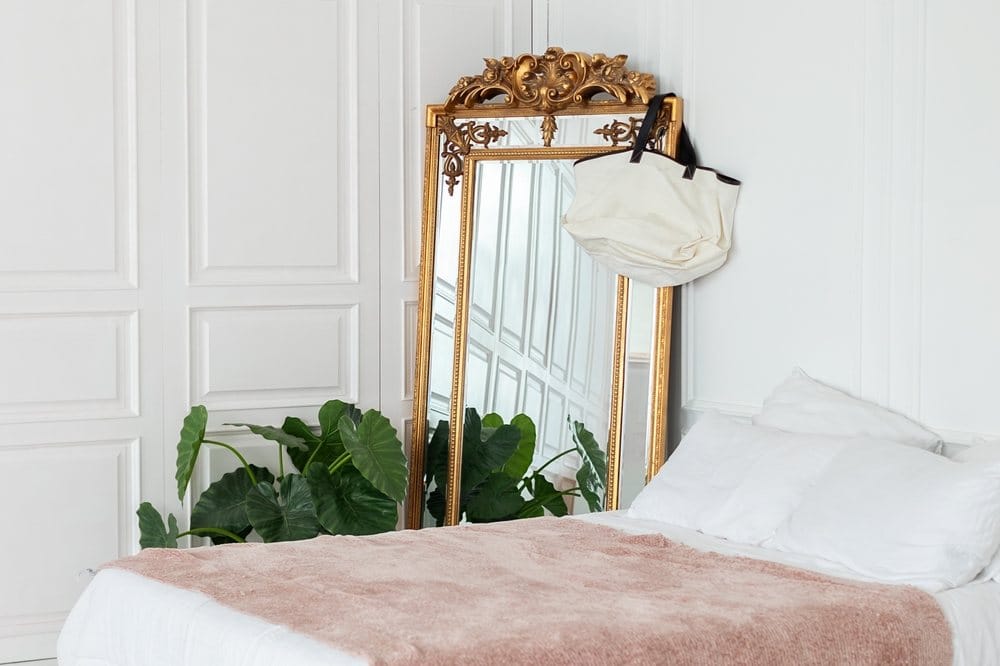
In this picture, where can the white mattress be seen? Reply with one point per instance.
(123, 619)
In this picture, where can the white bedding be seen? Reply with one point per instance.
(126, 620)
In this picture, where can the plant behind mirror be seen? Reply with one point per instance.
(350, 477)
(497, 480)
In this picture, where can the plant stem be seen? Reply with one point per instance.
(202, 531)
(552, 460)
(340, 462)
(281, 463)
(312, 456)
(243, 461)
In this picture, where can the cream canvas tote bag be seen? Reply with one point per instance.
(650, 217)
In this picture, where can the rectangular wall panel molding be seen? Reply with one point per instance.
(61, 366)
(98, 495)
(68, 166)
(264, 357)
(273, 151)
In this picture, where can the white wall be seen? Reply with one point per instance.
(187, 216)
(218, 202)
(865, 231)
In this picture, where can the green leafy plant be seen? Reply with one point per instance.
(497, 480)
(350, 477)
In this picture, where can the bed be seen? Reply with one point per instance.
(825, 532)
(125, 619)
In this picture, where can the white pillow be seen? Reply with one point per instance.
(734, 480)
(802, 404)
(987, 455)
(900, 515)
(982, 453)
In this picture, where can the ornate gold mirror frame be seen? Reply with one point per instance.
(549, 86)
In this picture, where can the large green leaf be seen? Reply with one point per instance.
(329, 419)
(436, 505)
(224, 503)
(288, 516)
(484, 452)
(152, 532)
(192, 435)
(492, 421)
(278, 435)
(346, 503)
(517, 466)
(593, 473)
(376, 452)
(531, 510)
(436, 461)
(545, 493)
(297, 427)
(497, 498)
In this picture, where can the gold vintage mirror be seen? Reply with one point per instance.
(513, 317)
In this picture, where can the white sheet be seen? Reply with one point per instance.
(126, 620)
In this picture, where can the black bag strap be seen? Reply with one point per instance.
(685, 149)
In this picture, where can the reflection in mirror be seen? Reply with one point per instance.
(518, 331)
(539, 344)
(442, 338)
(635, 423)
(583, 130)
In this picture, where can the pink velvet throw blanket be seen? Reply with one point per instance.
(556, 591)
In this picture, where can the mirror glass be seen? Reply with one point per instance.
(540, 339)
(635, 419)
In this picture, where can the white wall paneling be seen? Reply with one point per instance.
(78, 322)
(260, 357)
(94, 483)
(68, 199)
(192, 219)
(859, 253)
(958, 358)
(272, 121)
(789, 294)
(271, 293)
(68, 366)
(633, 27)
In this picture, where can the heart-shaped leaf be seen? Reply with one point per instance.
(192, 435)
(484, 452)
(593, 473)
(436, 505)
(376, 452)
(224, 503)
(492, 420)
(329, 418)
(517, 465)
(278, 435)
(298, 428)
(497, 498)
(346, 503)
(531, 510)
(545, 493)
(436, 463)
(290, 516)
(152, 533)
